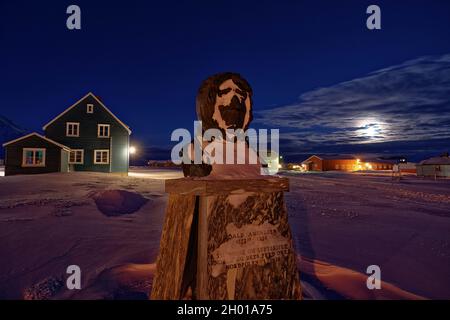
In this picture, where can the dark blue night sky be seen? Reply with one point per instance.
(317, 72)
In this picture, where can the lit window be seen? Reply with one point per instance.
(72, 129)
(103, 131)
(33, 157)
(101, 156)
(90, 108)
(76, 156)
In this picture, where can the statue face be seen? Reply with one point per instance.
(233, 106)
(224, 101)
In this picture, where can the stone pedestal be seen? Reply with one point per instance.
(226, 239)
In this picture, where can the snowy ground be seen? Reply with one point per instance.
(51, 221)
(357, 220)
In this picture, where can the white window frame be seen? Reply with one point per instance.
(24, 151)
(82, 156)
(89, 108)
(103, 125)
(73, 124)
(95, 156)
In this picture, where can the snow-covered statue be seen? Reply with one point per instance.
(224, 101)
(224, 105)
(226, 233)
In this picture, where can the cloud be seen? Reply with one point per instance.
(408, 102)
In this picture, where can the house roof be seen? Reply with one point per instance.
(76, 103)
(332, 157)
(40, 136)
(338, 157)
(378, 160)
(436, 161)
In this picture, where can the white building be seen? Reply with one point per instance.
(434, 167)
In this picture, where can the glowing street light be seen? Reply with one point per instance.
(132, 150)
(358, 164)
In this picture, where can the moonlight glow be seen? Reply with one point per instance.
(371, 130)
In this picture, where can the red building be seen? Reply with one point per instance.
(345, 163)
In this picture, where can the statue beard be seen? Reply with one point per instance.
(234, 114)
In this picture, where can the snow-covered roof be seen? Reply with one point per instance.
(40, 136)
(436, 160)
(332, 157)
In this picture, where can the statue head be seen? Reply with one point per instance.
(224, 101)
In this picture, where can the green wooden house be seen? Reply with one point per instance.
(34, 153)
(97, 140)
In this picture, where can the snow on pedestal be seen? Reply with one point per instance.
(226, 239)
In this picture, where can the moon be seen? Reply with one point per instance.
(370, 129)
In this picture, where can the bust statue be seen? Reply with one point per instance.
(226, 233)
(224, 102)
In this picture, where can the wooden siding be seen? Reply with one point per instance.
(382, 166)
(339, 164)
(14, 156)
(119, 153)
(64, 161)
(430, 170)
(117, 143)
(314, 163)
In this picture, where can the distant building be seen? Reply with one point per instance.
(434, 167)
(408, 167)
(376, 164)
(345, 163)
(162, 164)
(329, 162)
(93, 137)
